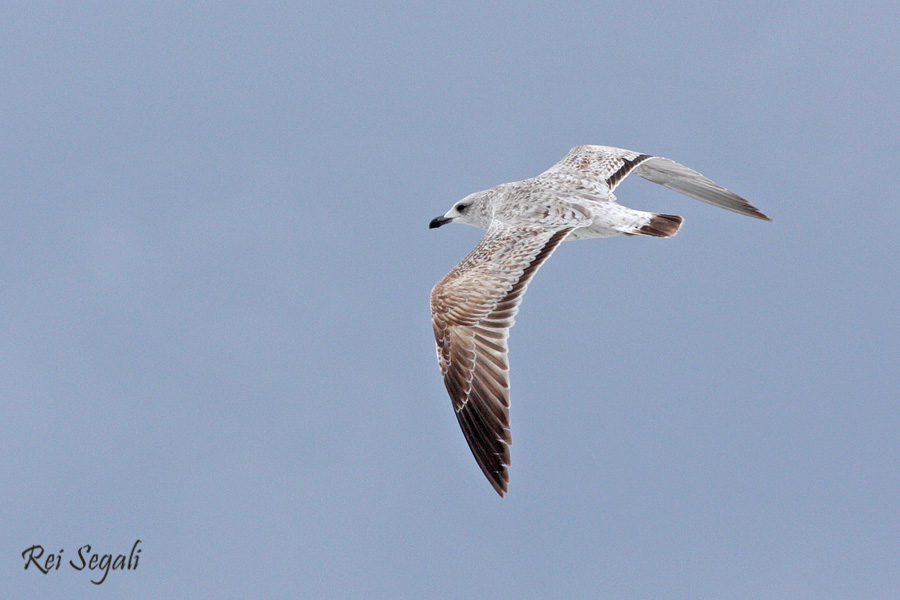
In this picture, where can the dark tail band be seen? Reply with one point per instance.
(662, 226)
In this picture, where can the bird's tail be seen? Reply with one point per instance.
(659, 225)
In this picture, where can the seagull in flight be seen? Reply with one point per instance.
(474, 306)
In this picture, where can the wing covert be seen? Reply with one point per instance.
(598, 168)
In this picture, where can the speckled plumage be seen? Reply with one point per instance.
(474, 306)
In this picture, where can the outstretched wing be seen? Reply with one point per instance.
(691, 183)
(602, 168)
(472, 310)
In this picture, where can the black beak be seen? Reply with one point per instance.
(438, 221)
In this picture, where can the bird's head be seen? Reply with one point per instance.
(475, 209)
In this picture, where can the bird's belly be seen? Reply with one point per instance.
(594, 230)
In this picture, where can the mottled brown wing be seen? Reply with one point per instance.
(472, 310)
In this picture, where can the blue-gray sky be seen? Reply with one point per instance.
(215, 269)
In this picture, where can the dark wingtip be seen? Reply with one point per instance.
(752, 211)
(662, 226)
(500, 482)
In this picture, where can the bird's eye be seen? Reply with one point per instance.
(460, 208)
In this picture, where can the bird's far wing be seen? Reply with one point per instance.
(472, 310)
(691, 183)
(604, 167)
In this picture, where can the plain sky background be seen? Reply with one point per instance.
(215, 267)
